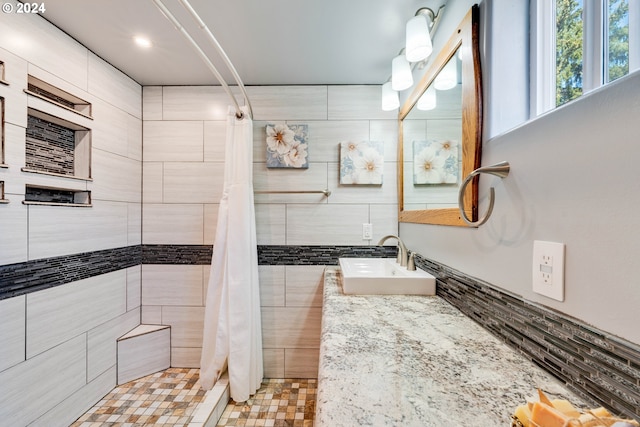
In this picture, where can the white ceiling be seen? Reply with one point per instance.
(270, 42)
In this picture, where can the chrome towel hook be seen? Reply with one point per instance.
(499, 169)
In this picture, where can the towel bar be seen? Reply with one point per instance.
(499, 169)
(326, 192)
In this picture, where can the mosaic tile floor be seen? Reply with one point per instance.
(170, 398)
(278, 403)
(166, 398)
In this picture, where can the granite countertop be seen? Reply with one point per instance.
(417, 361)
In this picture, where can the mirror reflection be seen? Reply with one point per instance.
(432, 135)
(440, 133)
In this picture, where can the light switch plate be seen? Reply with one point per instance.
(548, 269)
(367, 231)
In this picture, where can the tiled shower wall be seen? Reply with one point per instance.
(58, 344)
(184, 138)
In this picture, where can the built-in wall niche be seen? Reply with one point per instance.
(55, 146)
(2, 199)
(43, 90)
(2, 80)
(36, 195)
(2, 164)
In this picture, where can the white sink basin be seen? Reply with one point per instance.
(383, 276)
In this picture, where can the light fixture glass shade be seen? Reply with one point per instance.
(418, 42)
(428, 100)
(401, 76)
(448, 76)
(390, 98)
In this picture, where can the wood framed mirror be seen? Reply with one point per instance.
(439, 145)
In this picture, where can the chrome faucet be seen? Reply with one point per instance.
(402, 249)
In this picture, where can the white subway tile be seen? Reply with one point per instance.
(301, 362)
(13, 229)
(152, 103)
(272, 285)
(102, 226)
(114, 87)
(173, 141)
(110, 128)
(196, 102)
(47, 44)
(178, 285)
(357, 102)
(215, 134)
(185, 357)
(186, 325)
(288, 102)
(74, 406)
(12, 331)
(384, 219)
(115, 177)
(186, 182)
(326, 224)
(151, 314)
(102, 343)
(134, 223)
(325, 137)
(271, 224)
(55, 315)
(387, 132)
(210, 222)
(173, 223)
(37, 385)
(134, 287)
(291, 327)
(152, 183)
(304, 285)
(273, 362)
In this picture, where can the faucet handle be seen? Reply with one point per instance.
(411, 264)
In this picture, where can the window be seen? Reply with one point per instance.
(579, 45)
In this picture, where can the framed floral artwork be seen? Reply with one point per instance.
(435, 162)
(287, 146)
(361, 162)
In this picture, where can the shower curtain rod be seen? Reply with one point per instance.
(205, 58)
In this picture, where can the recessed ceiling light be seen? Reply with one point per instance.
(142, 41)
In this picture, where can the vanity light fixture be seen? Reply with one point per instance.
(418, 47)
(418, 40)
(401, 74)
(390, 98)
(428, 100)
(448, 76)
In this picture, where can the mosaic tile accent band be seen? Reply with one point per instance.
(592, 363)
(267, 255)
(31, 276)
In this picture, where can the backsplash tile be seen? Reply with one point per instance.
(592, 363)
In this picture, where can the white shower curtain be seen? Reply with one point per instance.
(232, 327)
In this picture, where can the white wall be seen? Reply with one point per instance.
(573, 180)
(184, 129)
(58, 352)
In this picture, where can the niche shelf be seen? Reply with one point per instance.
(2, 80)
(2, 164)
(51, 196)
(55, 146)
(2, 199)
(43, 90)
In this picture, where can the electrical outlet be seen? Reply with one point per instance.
(367, 231)
(548, 269)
